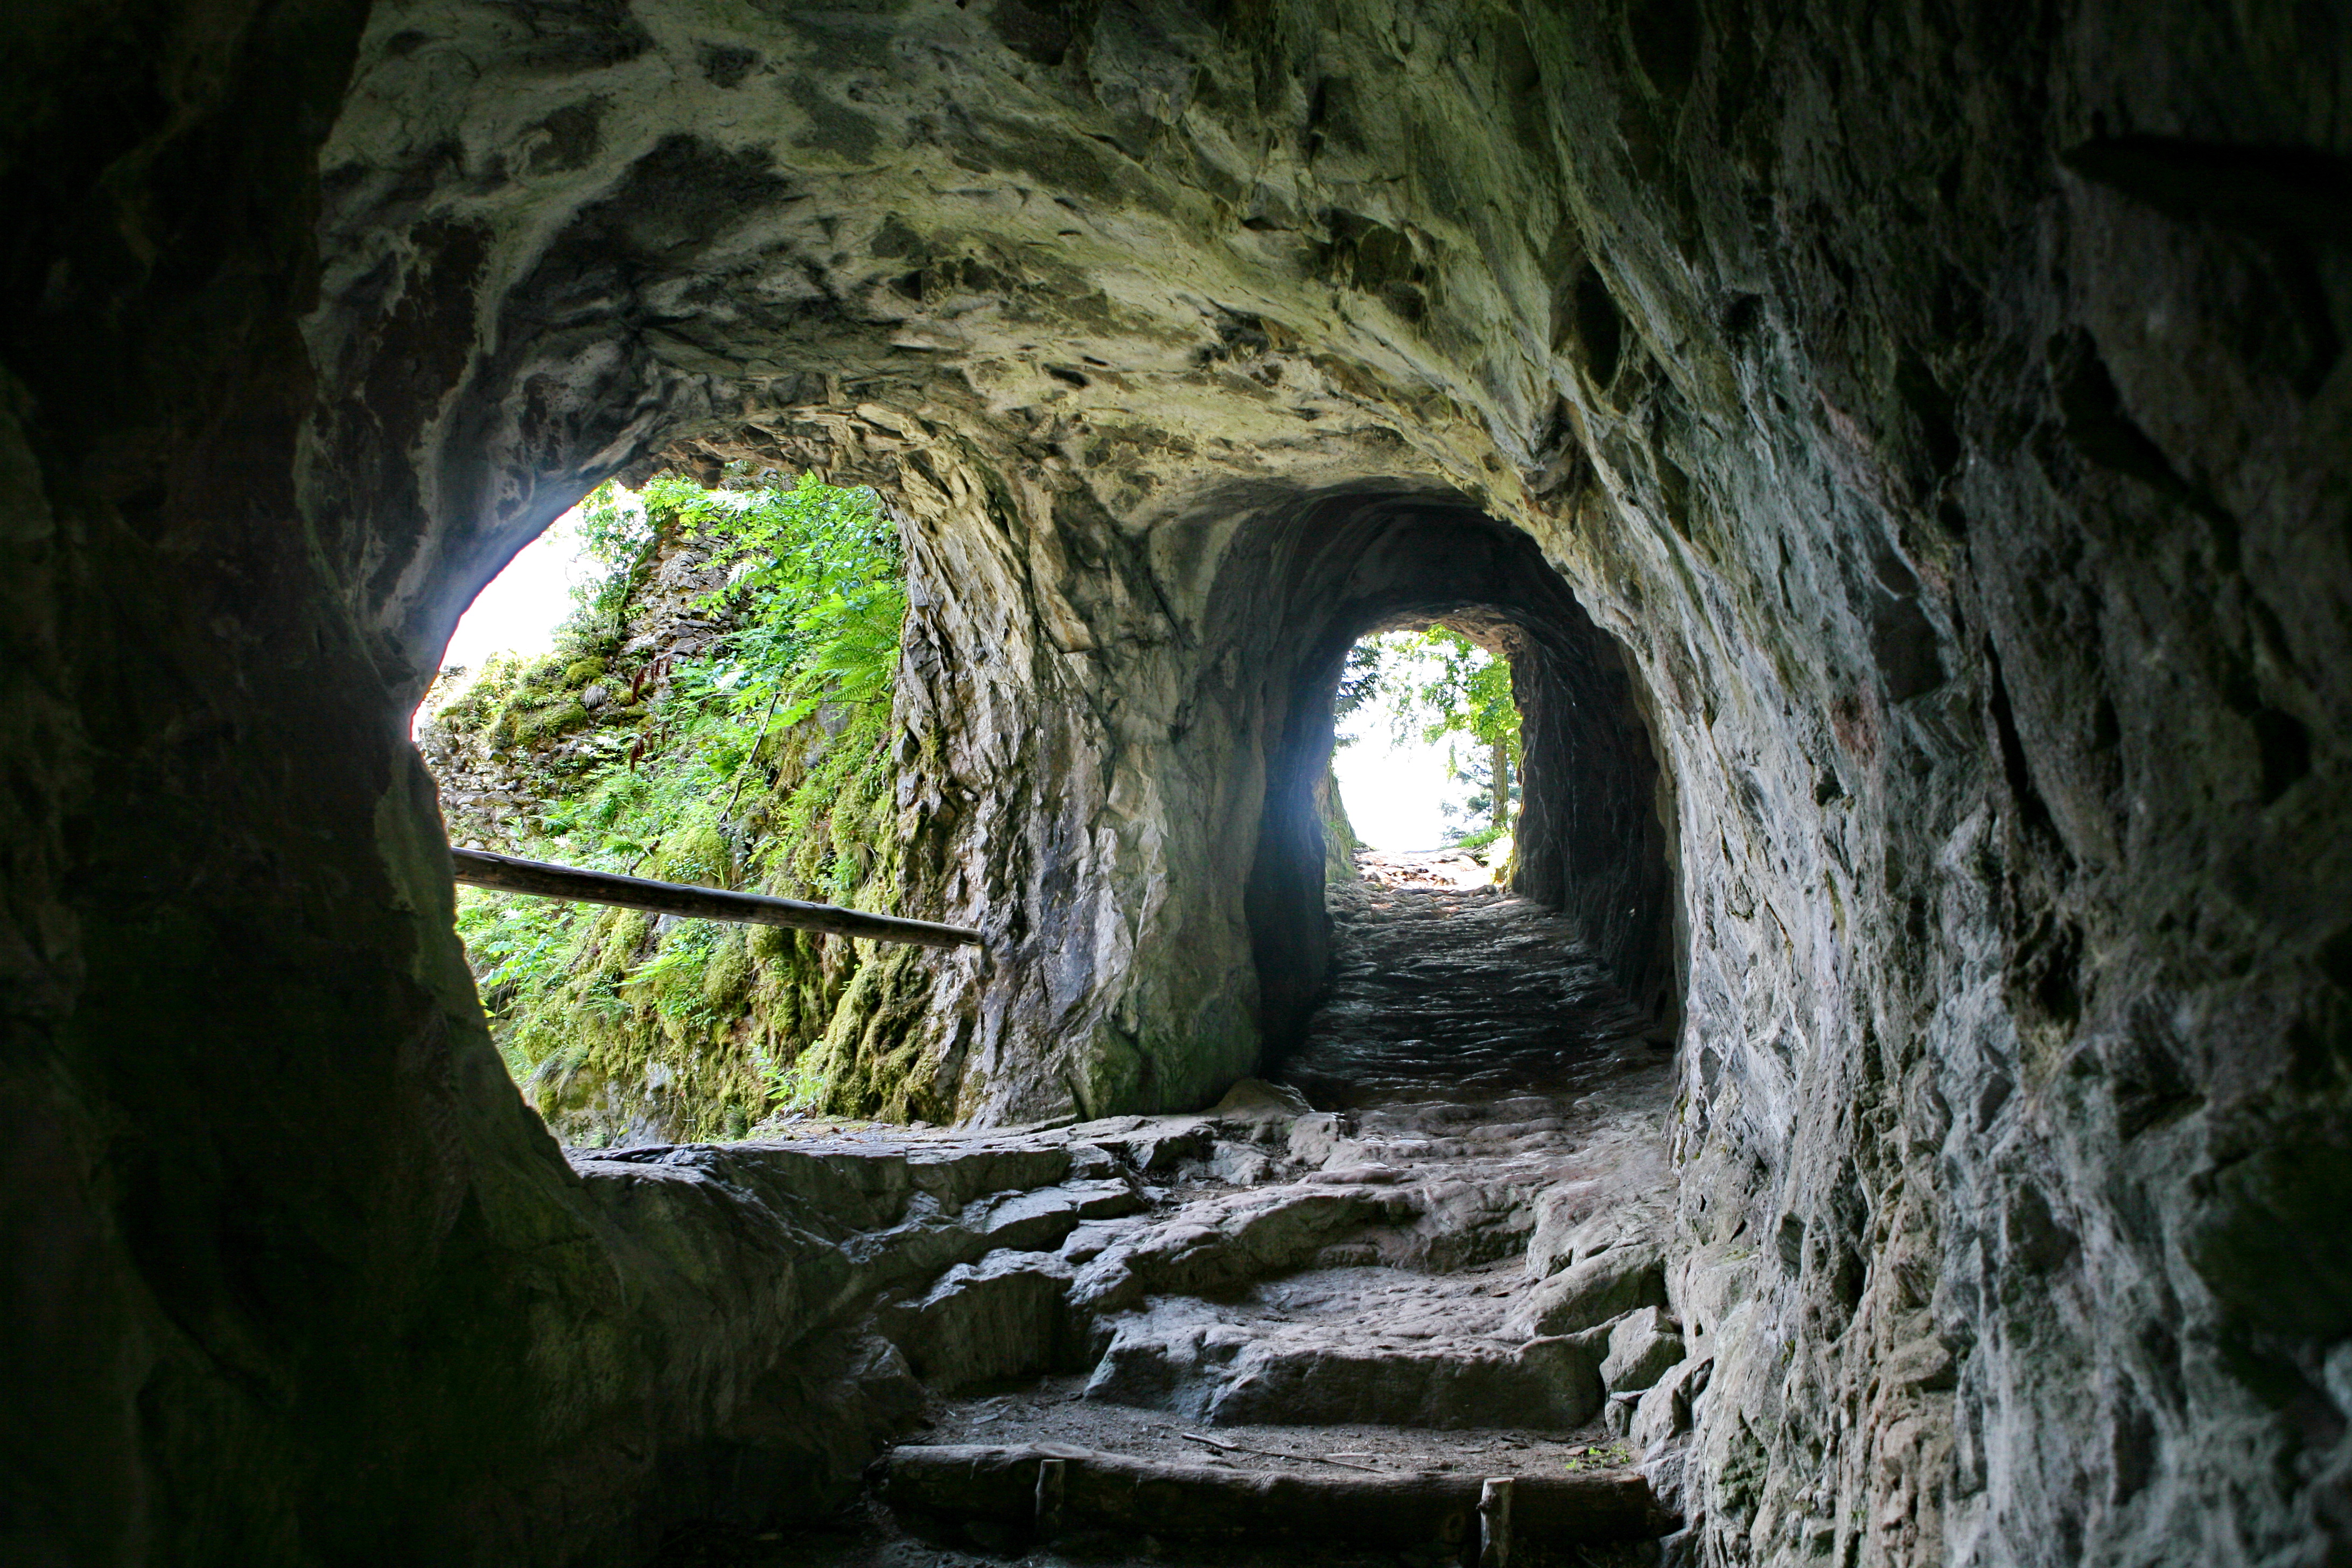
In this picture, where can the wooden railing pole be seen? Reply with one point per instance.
(541, 880)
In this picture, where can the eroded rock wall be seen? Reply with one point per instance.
(1945, 409)
(1819, 352)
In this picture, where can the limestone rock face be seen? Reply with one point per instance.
(1909, 443)
(1642, 1346)
(1588, 1294)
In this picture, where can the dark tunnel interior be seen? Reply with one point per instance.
(1592, 840)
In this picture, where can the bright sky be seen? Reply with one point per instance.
(523, 604)
(1390, 791)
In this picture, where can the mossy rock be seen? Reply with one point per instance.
(619, 936)
(548, 723)
(566, 1080)
(696, 854)
(581, 672)
(727, 977)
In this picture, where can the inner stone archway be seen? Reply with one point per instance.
(1304, 581)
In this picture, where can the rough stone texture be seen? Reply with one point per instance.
(1585, 1295)
(1573, 1224)
(1187, 1359)
(1001, 1318)
(1664, 1410)
(1642, 1346)
(1122, 1499)
(1942, 408)
(1477, 990)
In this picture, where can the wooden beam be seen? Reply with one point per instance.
(1495, 1521)
(541, 880)
(1051, 1475)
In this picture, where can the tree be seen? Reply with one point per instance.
(1438, 683)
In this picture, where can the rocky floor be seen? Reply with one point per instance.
(1431, 1253)
(1443, 984)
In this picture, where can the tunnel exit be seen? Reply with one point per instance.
(1426, 752)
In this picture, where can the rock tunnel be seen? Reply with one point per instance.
(1301, 582)
(1904, 450)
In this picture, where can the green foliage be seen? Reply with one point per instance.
(801, 1083)
(1438, 685)
(617, 531)
(763, 763)
(821, 583)
(1481, 837)
(1615, 1455)
(1432, 683)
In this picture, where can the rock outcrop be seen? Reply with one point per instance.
(1913, 441)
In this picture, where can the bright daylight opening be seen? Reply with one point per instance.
(1427, 754)
(518, 614)
(690, 685)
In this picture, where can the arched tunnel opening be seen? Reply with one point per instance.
(652, 736)
(1426, 750)
(1593, 827)
(1445, 980)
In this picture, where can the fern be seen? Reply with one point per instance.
(763, 763)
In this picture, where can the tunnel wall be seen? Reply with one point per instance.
(1945, 407)
(1593, 834)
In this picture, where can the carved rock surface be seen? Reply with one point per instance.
(1906, 445)
(1351, 1345)
(1001, 1318)
(1478, 990)
(1642, 1346)
(1604, 1287)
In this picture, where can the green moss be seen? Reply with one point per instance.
(608, 1017)
(670, 982)
(621, 936)
(866, 1066)
(695, 854)
(727, 976)
(548, 722)
(1340, 841)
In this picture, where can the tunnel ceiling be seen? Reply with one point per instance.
(1944, 408)
(1135, 254)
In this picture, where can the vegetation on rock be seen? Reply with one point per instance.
(717, 712)
(1438, 684)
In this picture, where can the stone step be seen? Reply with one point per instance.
(1452, 992)
(1181, 1356)
(1018, 1494)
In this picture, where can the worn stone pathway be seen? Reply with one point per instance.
(1459, 992)
(1428, 1257)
